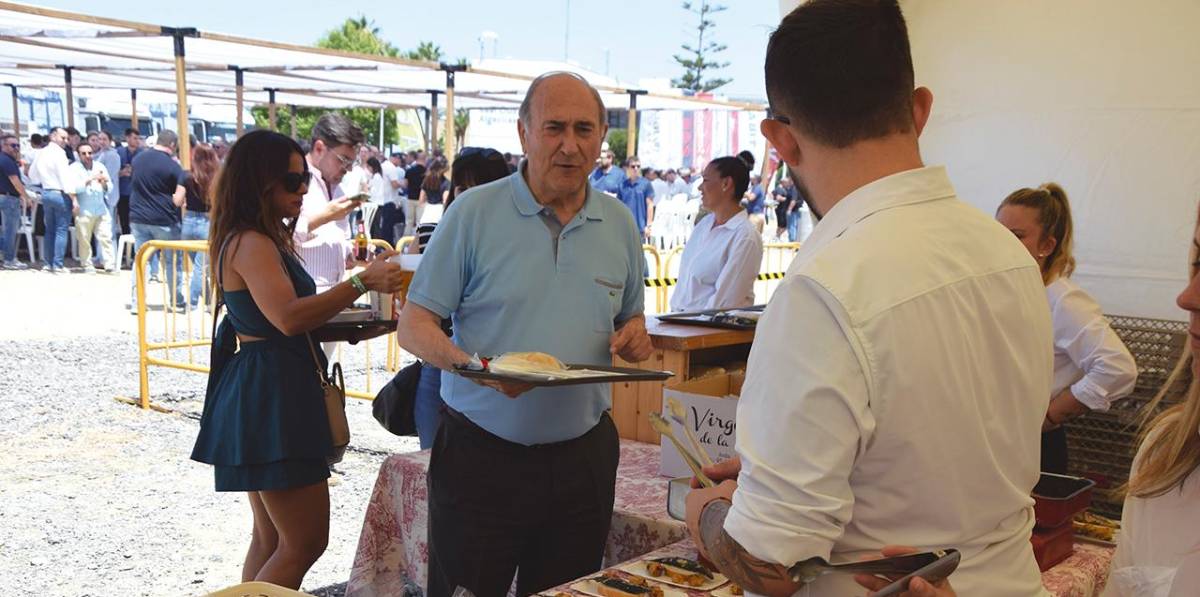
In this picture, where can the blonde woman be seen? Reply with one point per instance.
(1158, 552)
(1092, 367)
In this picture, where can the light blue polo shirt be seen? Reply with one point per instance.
(491, 267)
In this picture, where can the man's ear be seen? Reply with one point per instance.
(521, 134)
(922, 105)
(780, 136)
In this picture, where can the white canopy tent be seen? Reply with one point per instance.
(51, 49)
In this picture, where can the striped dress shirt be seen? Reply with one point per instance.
(322, 249)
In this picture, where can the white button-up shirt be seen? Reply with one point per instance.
(719, 265)
(323, 250)
(1158, 552)
(896, 390)
(50, 169)
(1088, 356)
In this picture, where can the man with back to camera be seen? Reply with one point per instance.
(524, 478)
(156, 195)
(414, 175)
(896, 388)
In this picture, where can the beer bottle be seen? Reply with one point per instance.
(361, 244)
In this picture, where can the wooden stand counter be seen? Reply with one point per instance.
(679, 349)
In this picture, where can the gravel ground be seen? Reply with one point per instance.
(98, 497)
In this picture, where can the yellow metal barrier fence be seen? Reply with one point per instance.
(178, 263)
(178, 259)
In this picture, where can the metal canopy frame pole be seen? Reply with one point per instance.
(448, 146)
(70, 95)
(181, 106)
(239, 91)
(432, 118)
(292, 112)
(133, 117)
(16, 110)
(271, 109)
(631, 131)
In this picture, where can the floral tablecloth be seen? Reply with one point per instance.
(392, 547)
(1081, 575)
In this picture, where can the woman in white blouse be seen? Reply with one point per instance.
(721, 259)
(1092, 367)
(1158, 550)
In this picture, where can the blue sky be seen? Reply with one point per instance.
(640, 36)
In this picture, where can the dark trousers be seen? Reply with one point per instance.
(1054, 451)
(123, 216)
(386, 220)
(497, 508)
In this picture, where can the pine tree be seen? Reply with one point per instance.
(698, 58)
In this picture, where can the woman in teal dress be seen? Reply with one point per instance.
(264, 427)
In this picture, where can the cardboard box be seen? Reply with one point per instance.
(711, 406)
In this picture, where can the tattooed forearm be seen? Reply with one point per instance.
(753, 574)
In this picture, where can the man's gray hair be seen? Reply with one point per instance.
(334, 129)
(167, 138)
(523, 113)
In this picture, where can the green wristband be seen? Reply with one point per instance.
(358, 284)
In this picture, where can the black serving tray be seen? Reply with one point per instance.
(705, 318)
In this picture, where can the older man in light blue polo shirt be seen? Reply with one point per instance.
(519, 477)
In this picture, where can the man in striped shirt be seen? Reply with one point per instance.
(322, 230)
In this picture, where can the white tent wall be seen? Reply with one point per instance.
(1097, 95)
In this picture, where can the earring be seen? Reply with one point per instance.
(1040, 255)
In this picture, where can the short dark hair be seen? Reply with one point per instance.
(132, 131)
(333, 130)
(106, 135)
(841, 70)
(72, 131)
(167, 138)
(735, 168)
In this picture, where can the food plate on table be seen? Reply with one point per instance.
(676, 571)
(609, 584)
(734, 319)
(543, 370)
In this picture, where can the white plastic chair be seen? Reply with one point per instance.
(26, 230)
(124, 250)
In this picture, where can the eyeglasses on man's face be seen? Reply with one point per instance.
(343, 161)
(777, 117)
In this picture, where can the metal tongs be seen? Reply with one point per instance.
(814, 568)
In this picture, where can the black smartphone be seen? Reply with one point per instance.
(934, 572)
